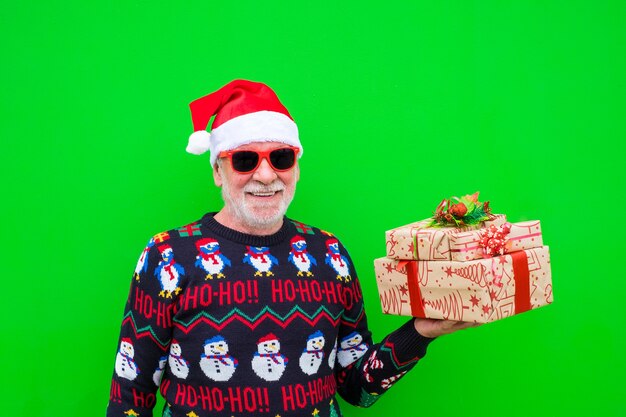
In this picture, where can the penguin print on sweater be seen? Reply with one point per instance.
(300, 258)
(168, 272)
(261, 259)
(220, 314)
(210, 258)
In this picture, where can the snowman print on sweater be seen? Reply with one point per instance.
(313, 354)
(158, 372)
(125, 366)
(268, 363)
(351, 348)
(332, 356)
(216, 363)
(178, 365)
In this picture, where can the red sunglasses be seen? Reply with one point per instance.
(281, 159)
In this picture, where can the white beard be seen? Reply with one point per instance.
(241, 209)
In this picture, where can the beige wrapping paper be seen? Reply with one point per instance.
(418, 241)
(525, 235)
(481, 290)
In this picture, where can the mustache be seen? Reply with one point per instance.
(275, 186)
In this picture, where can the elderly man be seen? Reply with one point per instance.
(246, 312)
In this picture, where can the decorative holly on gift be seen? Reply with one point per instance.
(464, 211)
(493, 240)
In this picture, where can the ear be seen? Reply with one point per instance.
(297, 173)
(217, 175)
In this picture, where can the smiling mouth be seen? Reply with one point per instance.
(265, 194)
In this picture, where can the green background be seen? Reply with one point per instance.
(399, 105)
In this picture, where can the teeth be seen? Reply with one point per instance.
(264, 194)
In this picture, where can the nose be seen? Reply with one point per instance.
(265, 173)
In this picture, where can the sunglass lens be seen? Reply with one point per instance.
(245, 161)
(283, 158)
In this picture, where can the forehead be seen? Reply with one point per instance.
(260, 146)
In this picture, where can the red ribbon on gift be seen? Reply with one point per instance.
(521, 275)
(415, 294)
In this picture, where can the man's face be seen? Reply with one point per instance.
(257, 200)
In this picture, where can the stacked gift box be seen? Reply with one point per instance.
(464, 264)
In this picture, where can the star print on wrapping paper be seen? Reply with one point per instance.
(474, 301)
(411, 248)
(502, 260)
(486, 308)
(449, 271)
(492, 294)
(403, 289)
(388, 267)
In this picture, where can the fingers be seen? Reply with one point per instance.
(465, 325)
(436, 327)
(451, 326)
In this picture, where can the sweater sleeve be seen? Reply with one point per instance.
(145, 337)
(366, 370)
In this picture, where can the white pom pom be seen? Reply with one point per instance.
(199, 142)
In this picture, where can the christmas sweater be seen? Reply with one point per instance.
(229, 324)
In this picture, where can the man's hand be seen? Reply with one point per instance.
(433, 328)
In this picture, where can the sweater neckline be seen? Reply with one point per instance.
(208, 221)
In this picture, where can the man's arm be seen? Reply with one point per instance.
(144, 341)
(379, 366)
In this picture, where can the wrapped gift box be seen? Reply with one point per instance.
(479, 290)
(421, 242)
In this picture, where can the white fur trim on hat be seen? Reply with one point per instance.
(261, 126)
(199, 142)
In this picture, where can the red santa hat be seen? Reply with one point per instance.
(331, 241)
(245, 112)
(267, 338)
(297, 239)
(164, 248)
(204, 241)
(126, 340)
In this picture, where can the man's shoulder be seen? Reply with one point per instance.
(307, 230)
(188, 232)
